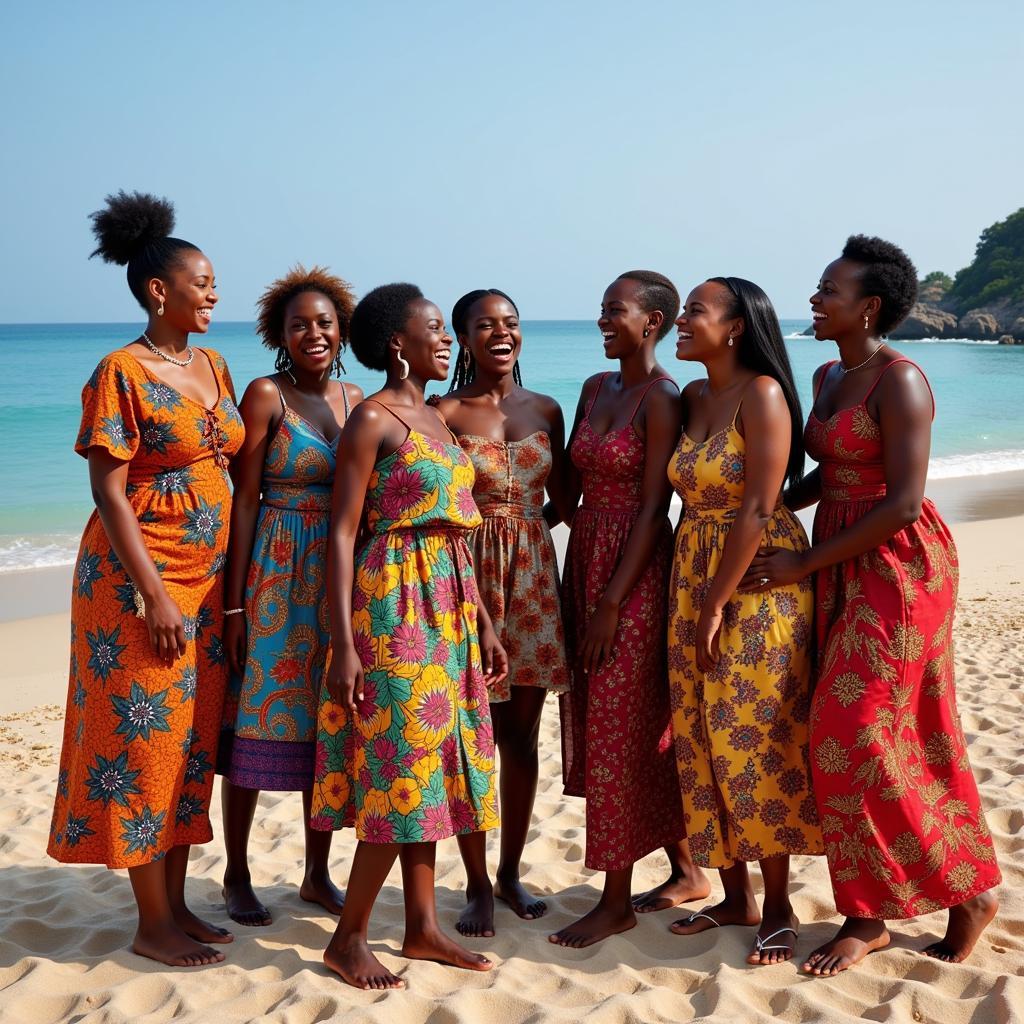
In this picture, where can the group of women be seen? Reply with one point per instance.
(374, 609)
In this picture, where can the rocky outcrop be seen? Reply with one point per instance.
(927, 321)
(978, 323)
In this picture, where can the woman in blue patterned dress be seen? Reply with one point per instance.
(277, 635)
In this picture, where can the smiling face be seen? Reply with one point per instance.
(623, 320)
(492, 334)
(704, 326)
(187, 293)
(838, 306)
(425, 342)
(311, 332)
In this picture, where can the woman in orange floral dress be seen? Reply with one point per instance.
(900, 813)
(515, 439)
(148, 671)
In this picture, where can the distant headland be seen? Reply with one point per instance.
(984, 302)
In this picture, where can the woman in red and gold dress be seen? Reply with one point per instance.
(902, 821)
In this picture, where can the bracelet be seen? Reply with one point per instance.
(234, 611)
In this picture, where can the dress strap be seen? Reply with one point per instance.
(643, 394)
(884, 369)
(821, 378)
(739, 404)
(280, 394)
(344, 399)
(597, 391)
(389, 409)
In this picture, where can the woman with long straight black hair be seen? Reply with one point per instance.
(739, 664)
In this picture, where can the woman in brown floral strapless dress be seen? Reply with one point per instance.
(514, 438)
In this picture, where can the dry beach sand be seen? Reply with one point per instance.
(64, 931)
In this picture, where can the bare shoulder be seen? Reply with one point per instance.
(902, 380)
(447, 405)
(547, 406)
(353, 392)
(663, 393)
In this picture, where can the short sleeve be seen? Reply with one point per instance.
(109, 418)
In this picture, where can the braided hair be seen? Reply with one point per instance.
(134, 229)
(465, 365)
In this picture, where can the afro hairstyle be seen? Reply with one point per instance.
(888, 273)
(380, 315)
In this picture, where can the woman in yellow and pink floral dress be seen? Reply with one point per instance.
(515, 440)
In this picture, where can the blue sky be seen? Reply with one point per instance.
(541, 148)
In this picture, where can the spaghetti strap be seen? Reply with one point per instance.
(643, 394)
(390, 410)
(593, 397)
(344, 399)
(739, 405)
(821, 379)
(280, 394)
(882, 372)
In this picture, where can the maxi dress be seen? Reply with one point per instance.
(617, 748)
(140, 737)
(741, 730)
(269, 736)
(904, 830)
(416, 762)
(514, 557)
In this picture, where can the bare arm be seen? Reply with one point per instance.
(766, 428)
(261, 413)
(108, 478)
(663, 417)
(905, 411)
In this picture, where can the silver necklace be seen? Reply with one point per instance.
(842, 369)
(187, 361)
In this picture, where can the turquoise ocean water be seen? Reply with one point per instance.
(44, 490)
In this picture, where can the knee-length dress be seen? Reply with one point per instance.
(269, 736)
(741, 730)
(140, 738)
(616, 729)
(416, 762)
(902, 820)
(514, 558)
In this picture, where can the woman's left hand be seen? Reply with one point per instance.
(597, 644)
(492, 655)
(709, 629)
(773, 567)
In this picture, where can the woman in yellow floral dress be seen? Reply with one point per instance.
(739, 664)
(405, 748)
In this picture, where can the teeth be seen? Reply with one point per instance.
(607, 334)
(819, 316)
(683, 334)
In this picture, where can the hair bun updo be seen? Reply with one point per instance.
(128, 223)
(134, 228)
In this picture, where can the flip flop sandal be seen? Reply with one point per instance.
(707, 917)
(761, 945)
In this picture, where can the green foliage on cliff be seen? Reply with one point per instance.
(997, 271)
(933, 287)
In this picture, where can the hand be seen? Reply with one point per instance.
(773, 567)
(166, 628)
(709, 630)
(235, 643)
(492, 655)
(345, 678)
(597, 644)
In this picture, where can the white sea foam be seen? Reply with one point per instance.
(919, 341)
(37, 552)
(947, 467)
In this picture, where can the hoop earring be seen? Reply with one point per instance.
(866, 324)
(160, 310)
(464, 358)
(404, 364)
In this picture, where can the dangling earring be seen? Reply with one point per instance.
(866, 324)
(404, 364)
(464, 358)
(283, 364)
(341, 365)
(160, 309)
(730, 342)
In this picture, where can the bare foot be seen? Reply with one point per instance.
(718, 916)
(855, 939)
(775, 942)
(966, 923)
(593, 927)
(477, 920)
(672, 892)
(320, 889)
(353, 962)
(170, 945)
(511, 891)
(436, 946)
(243, 906)
(198, 929)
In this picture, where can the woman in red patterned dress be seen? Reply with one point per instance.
(617, 746)
(900, 812)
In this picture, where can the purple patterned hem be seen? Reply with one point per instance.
(272, 765)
